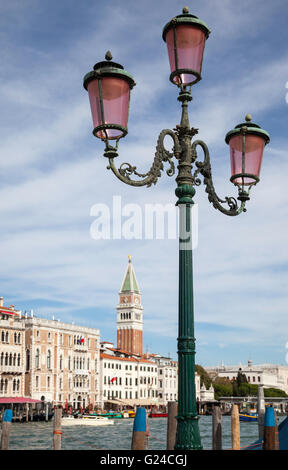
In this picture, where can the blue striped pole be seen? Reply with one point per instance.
(269, 434)
(139, 436)
(6, 425)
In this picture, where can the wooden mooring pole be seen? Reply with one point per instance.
(235, 427)
(57, 433)
(171, 425)
(269, 435)
(6, 426)
(217, 428)
(140, 431)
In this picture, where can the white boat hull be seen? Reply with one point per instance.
(87, 421)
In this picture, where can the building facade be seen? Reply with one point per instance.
(167, 379)
(127, 379)
(62, 363)
(12, 352)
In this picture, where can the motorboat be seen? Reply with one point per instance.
(86, 420)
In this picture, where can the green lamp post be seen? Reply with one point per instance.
(109, 87)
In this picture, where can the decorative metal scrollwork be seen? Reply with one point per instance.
(126, 170)
(204, 168)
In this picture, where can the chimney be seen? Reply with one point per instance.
(1, 301)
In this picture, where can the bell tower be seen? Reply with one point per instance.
(130, 314)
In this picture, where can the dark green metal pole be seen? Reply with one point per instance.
(188, 436)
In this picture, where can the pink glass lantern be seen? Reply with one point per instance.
(185, 36)
(246, 142)
(109, 88)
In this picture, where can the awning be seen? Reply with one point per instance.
(18, 400)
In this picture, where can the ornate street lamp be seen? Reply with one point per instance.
(109, 88)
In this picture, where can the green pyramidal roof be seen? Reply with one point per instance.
(129, 283)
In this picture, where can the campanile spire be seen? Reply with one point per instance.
(130, 314)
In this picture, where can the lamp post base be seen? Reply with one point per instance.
(188, 435)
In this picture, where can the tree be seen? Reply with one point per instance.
(222, 387)
(204, 376)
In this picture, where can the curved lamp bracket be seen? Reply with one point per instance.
(161, 155)
(204, 168)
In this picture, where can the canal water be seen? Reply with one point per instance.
(38, 435)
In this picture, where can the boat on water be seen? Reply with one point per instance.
(154, 413)
(110, 415)
(157, 414)
(248, 416)
(86, 420)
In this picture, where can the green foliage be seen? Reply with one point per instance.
(222, 387)
(274, 392)
(204, 376)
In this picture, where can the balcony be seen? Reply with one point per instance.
(81, 372)
(17, 370)
(81, 347)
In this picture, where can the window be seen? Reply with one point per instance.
(37, 359)
(27, 359)
(49, 359)
(48, 383)
(37, 381)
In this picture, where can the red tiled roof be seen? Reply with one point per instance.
(131, 359)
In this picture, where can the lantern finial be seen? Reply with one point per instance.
(248, 118)
(108, 55)
(185, 10)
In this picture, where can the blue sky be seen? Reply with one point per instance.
(52, 171)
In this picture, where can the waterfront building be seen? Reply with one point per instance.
(268, 375)
(167, 379)
(12, 344)
(62, 363)
(127, 379)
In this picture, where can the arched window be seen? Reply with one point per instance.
(49, 359)
(2, 359)
(27, 359)
(37, 359)
(14, 385)
(15, 337)
(19, 338)
(19, 360)
(61, 363)
(3, 336)
(7, 337)
(6, 359)
(14, 359)
(10, 359)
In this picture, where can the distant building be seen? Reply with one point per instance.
(268, 375)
